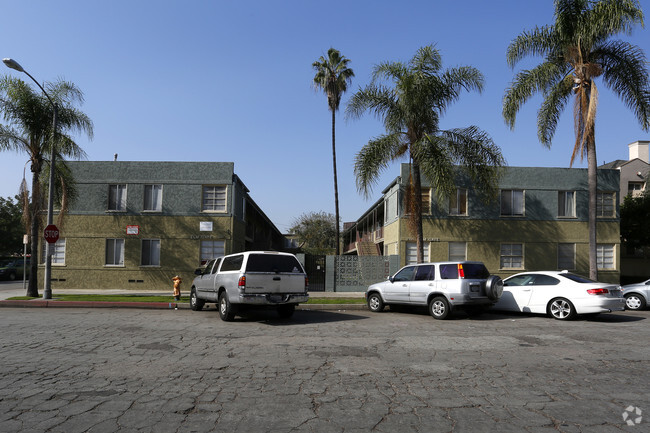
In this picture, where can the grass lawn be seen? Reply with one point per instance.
(157, 298)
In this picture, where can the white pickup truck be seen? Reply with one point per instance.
(253, 278)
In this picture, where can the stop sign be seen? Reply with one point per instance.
(51, 234)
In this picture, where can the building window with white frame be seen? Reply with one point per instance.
(566, 204)
(412, 253)
(214, 198)
(117, 197)
(150, 254)
(606, 205)
(512, 202)
(58, 252)
(605, 257)
(566, 256)
(153, 198)
(635, 189)
(114, 252)
(212, 250)
(458, 202)
(512, 256)
(457, 251)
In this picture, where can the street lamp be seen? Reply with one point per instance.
(47, 284)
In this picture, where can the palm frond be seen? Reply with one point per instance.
(373, 159)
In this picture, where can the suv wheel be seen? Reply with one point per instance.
(226, 310)
(439, 308)
(494, 287)
(286, 311)
(375, 303)
(196, 304)
(634, 301)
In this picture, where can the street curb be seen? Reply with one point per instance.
(42, 303)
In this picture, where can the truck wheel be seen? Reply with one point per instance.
(12, 276)
(196, 304)
(226, 310)
(494, 287)
(439, 308)
(286, 311)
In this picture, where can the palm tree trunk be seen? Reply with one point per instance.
(592, 179)
(32, 287)
(336, 186)
(417, 211)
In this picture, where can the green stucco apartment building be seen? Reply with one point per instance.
(134, 225)
(539, 221)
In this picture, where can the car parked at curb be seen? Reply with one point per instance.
(263, 279)
(560, 294)
(441, 286)
(636, 295)
(13, 267)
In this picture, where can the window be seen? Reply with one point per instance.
(458, 202)
(566, 204)
(425, 273)
(566, 256)
(214, 199)
(114, 252)
(635, 189)
(457, 251)
(58, 252)
(117, 197)
(426, 201)
(512, 202)
(150, 252)
(605, 256)
(412, 253)
(153, 198)
(605, 205)
(232, 263)
(512, 256)
(212, 250)
(406, 274)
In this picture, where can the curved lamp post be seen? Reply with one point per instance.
(47, 286)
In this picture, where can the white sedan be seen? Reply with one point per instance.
(560, 294)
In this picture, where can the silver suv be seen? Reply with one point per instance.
(253, 278)
(442, 287)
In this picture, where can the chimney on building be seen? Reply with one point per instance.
(639, 149)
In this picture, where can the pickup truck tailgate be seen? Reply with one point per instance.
(262, 282)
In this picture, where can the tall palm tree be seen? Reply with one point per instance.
(333, 76)
(411, 112)
(28, 128)
(577, 49)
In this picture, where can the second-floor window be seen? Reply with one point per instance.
(153, 198)
(605, 204)
(512, 202)
(458, 202)
(214, 198)
(117, 197)
(566, 204)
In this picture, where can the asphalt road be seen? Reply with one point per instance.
(97, 370)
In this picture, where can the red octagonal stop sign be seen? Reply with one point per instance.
(51, 234)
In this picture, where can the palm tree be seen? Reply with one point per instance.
(577, 49)
(411, 112)
(28, 128)
(333, 77)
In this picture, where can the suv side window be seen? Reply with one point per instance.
(405, 274)
(232, 263)
(449, 272)
(425, 273)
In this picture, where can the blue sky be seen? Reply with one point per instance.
(231, 81)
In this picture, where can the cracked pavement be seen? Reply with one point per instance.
(77, 370)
